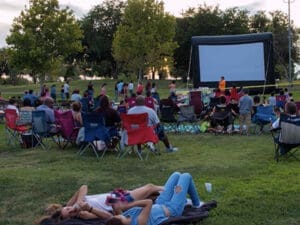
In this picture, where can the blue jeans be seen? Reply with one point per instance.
(175, 200)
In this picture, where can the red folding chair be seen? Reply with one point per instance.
(67, 130)
(12, 129)
(137, 132)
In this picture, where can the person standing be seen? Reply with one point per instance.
(130, 87)
(53, 92)
(62, 93)
(103, 89)
(222, 84)
(140, 88)
(245, 109)
(172, 87)
(67, 90)
(90, 89)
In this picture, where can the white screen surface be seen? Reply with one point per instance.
(238, 62)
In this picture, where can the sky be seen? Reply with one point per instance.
(9, 9)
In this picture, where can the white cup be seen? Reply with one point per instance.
(208, 187)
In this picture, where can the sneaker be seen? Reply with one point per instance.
(151, 147)
(199, 206)
(189, 202)
(171, 149)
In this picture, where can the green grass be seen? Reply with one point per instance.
(249, 186)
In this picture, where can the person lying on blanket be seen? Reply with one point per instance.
(170, 203)
(86, 206)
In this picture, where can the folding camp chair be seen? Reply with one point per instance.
(298, 107)
(137, 132)
(122, 109)
(131, 102)
(149, 102)
(280, 101)
(222, 117)
(25, 118)
(167, 117)
(67, 130)
(287, 139)
(12, 129)
(85, 104)
(196, 101)
(187, 114)
(41, 129)
(94, 131)
(264, 115)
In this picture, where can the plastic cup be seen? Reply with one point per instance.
(208, 187)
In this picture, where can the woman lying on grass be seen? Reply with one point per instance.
(86, 206)
(170, 203)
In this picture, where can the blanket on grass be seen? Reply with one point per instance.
(190, 216)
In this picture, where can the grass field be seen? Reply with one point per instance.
(250, 188)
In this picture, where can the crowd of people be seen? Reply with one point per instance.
(233, 103)
(140, 101)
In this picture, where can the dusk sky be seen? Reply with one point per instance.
(10, 9)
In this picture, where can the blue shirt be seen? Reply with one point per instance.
(157, 215)
(49, 113)
(245, 104)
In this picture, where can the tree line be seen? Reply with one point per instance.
(128, 38)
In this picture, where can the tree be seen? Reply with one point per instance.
(259, 22)
(204, 20)
(4, 65)
(144, 37)
(235, 21)
(41, 35)
(99, 26)
(279, 28)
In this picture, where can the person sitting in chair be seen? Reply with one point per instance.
(47, 106)
(111, 116)
(153, 121)
(290, 109)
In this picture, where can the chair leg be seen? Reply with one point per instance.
(84, 147)
(276, 155)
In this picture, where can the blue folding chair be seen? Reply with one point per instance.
(41, 129)
(264, 115)
(94, 130)
(85, 104)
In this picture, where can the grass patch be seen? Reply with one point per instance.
(248, 185)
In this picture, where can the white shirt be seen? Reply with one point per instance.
(130, 86)
(152, 116)
(98, 201)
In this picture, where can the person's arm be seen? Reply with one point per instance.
(146, 205)
(89, 212)
(78, 196)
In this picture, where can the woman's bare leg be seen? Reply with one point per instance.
(145, 191)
